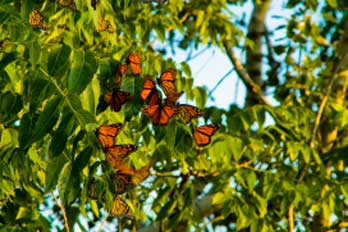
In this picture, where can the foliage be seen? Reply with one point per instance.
(266, 166)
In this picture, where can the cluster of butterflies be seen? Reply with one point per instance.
(125, 176)
(36, 19)
(161, 112)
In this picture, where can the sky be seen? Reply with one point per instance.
(212, 64)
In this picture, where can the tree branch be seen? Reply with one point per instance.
(291, 218)
(66, 224)
(243, 74)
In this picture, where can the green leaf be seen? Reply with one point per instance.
(47, 119)
(25, 131)
(219, 198)
(54, 166)
(60, 136)
(82, 70)
(83, 158)
(332, 3)
(58, 60)
(63, 181)
(83, 117)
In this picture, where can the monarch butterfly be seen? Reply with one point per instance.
(119, 152)
(116, 99)
(120, 208)
(202, 135)
(141, 174)
(104, 25)
(121, 70)
(167, 83)
(133, 62)
(188, 112)
(160, 114)
(107, 133)
(121, 183)
(67, 3)
(36, 20)
(149, 93)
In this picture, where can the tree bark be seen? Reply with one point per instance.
(254, 56)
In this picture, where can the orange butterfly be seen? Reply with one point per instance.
(107, 133)
(119, 152)
(121, 70)
(116, 99)
(188, 112)
(120, 208)
(133, 62)
(141, 174)
(121, 183)
(149, 93)
(202, 135)
(160, 114)
(104, 25)
(36, 20)
(167, 83)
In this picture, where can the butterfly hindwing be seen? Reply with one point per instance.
(120, 208)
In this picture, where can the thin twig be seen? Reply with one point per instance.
(219, 82)
(243, 74)
(66, 224)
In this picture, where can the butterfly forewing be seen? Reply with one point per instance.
(120, 208)
(107, 133)
(134, 63)
(202, 135)
(36, 20)
(119, 152)
(188, 112)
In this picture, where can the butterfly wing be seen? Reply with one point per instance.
(202, 135)
(36, 20)
(141, 174)
(104, 25)
(67, 3)
(149, 93)
(121, 183)
(107, 133)
(116, 99)
(188, 112)
(119, 152)
(167, 83)
(121, 70)
(120, 208)
(134, 62)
